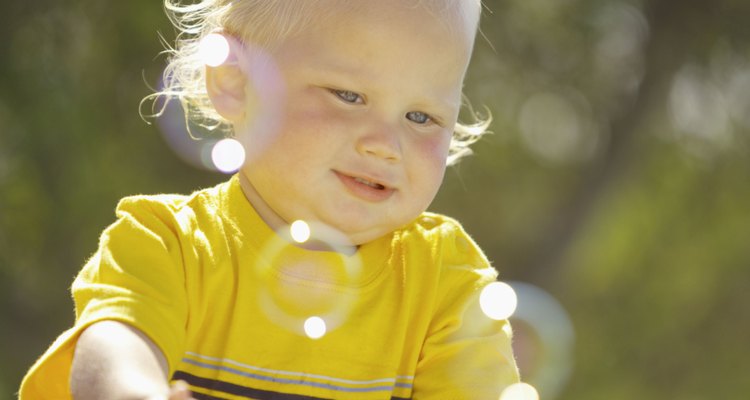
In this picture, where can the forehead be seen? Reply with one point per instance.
(454, 16)
(436, 35)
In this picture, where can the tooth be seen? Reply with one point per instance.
(368, 183)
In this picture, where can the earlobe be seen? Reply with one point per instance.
(226, 85)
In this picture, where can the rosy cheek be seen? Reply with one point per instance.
(434, 149)
(427, 164)
(307, 121)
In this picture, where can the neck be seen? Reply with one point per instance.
(266, 213)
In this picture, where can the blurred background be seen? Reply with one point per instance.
(614, 194)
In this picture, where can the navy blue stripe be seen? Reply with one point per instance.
(237, 390)
(201, 396)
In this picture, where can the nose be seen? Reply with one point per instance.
(381, 141)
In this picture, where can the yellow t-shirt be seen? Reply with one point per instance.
(237, 310)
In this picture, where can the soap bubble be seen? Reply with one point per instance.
(307, 269)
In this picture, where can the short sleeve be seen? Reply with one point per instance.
(136, 277)
(466, 355)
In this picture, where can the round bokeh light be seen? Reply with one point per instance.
(214, 50)
(315, 327)
(520, 391)
(498, 300)
(228, 155)
(300, 231)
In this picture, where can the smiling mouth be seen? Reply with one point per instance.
(365, 189)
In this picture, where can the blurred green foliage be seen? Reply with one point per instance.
(617, 179)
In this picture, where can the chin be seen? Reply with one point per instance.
(360, 229)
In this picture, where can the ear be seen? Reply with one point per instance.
(226, 85)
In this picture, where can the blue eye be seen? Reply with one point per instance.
(348, 96)
(418, 117)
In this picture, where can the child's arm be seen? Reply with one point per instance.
(466, 354)
(113, 360)
(137, 276)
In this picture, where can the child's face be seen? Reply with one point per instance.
(370, 101)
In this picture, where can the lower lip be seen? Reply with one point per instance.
(364, 191)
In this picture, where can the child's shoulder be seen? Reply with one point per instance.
(440, 229)
(434, 223)
(180, 208)
(449, 243)
(172, 201)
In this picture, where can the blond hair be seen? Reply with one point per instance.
(269, 22)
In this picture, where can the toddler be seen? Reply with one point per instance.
(314, 272)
